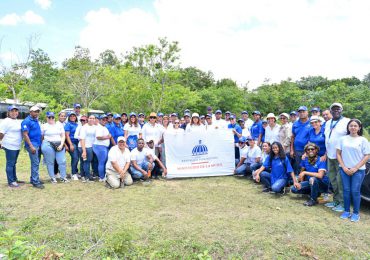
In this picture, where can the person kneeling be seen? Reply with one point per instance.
(159, 168)
(117, 165)
(141, 161)
(312, 179)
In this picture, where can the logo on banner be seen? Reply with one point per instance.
(200, 149)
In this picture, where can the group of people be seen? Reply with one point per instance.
(312, 153)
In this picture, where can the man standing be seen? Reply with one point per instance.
(237, 131)
(256, 128)
(300, 136)
(247, 121)
(219, 123)
(118, 164)
(335, 128)
(327, 116)
(32, 141)
(77, 110)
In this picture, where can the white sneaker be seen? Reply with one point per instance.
(101, 180)
(83, 179)
(57, 176)
(53, 180)
(75, 177)
(64, 180)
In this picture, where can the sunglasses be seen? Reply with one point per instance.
(51, 117)
(314, 122)
(82, 120)
(152, 117)
(177, 123)
(310, 149)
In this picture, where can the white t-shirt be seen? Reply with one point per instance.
(151, 132)
(245, 132)
(264, 157)
(77, 134)
(272, 134)
(100, 132)
(243, 152)
(116, 155)
(251, 154)
(88, 134)
(248, 124)
(219, 124)
(140, 157)
(195, 128)
(11, 128)
(52, 132)
(353, 150)
(331, 140)
(132, 130)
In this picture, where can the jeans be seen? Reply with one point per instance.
(11, 161)
(313, 187)
(136, 174)
(75, 155)
(101, 152)
(297, 161)
(335, 180)
(351, 188)
(35, 163)
(247, 168)
(86, 163)
(50, 155)
(266, 180)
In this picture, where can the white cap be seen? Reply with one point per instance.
(314, 118)
(284, 114)
(195, 115)
(35, 108)
(121, 138)
(336, 105)
(270, 115)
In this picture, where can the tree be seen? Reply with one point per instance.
(196, 79)
(108, 58)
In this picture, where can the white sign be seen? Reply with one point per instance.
(199, 154)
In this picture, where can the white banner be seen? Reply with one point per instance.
(199, 154)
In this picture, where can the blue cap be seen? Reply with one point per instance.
(250, 138)
(174, 114)
(141, 114)
(115, 116)
(186, 111)
(209, 115)
(264, 121)
(71, 113)
(124, 113)
(187, 114)
(103, 116)
(302, 108)
(132, 114)
(242, 139)
(293, 113)
(209, 108)
(315, 109)
(218, 111)
(256, 113)
(241, 120)
(202, 116)
(160, 114)
(12, 107)
(245, 112)
(227, 112)
(109, 114)
(49, 113)
(232, 116)
(77, 105)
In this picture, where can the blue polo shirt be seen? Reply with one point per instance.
(32, 126)
(71, 127)
(263, 134)
(318, 139)
(301, 133)
(315, 168)
(278, 170)
(256, 129)
(238, 129)
(116, 131)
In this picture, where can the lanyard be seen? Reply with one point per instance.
(333, 126)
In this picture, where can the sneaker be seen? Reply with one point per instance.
(83, 179)
(332, 204)
(338, 208)
(101, 180)
(355, 217)
(57, 176)
(21, 182)
(266, 190)
(345, 215)
(53, 180)
(13, 185)
(325, 197)
(64, 180)
(75, 177)
(38, 186)
(310, 203)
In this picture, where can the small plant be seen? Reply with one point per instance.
(14, 247)
(204, 256)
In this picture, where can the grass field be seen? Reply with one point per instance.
(204, 218)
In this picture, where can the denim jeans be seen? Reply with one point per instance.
(136, 174)
(335, 180)
(101, 152)
(86, 163)
(313, 187)
(35, 163)
(266, 180)
(297, 161)
(247, 168)
(351, 188)
(11, 161)
(75, 155)
(50, 155)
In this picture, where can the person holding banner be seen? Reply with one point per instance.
(237, 131)
(280, 170)
(195, 124)
(132, 131)
(153, 131)
(141, 161)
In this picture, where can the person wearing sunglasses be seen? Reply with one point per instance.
(141, 119)
(153, 131)
(312, 179)
(11, 141)
(133, 131)
(87, 138)
(317, 136)
(72, 143)
(81, 123)
(52, 147)
(31, 131)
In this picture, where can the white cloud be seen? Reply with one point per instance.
(44, 4)
(10, 19)
(29, 17)
(246, 40)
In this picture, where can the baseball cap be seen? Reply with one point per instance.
(241, 120)
(336, 105)
(121, 138)
(202, 116)
(103, 116)
(314, 118)
(264, 121)
(186, 111)
(209, 108)
(141, 114)
(132, 114)
(293, 113)
(115, 116)
(209, 116)
(77, 105)
(49, 114)
(232, 116)
(227, 112)
(195, 115)
(71, 114)
(256, 113)
(35, 108)
(160, 114)
(109, 114)
(302, 108)
(187, 114)
(242, 139)
(11, 107)
(174, 114)
(315, 109)
(218, 111)
(245, 112)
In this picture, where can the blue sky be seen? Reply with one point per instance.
(246, 40)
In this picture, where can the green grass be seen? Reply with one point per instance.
(222, 218)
